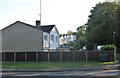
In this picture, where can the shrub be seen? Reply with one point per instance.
(108, 47)
(90, 46)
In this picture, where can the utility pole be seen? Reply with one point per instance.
(40, 11)
(115, 46)
(113, 38)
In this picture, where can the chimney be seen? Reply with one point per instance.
(38, 24)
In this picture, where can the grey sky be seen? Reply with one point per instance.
(65, 14)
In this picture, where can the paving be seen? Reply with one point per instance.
(65, 73)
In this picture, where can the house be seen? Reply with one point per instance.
(22, 37)
(67, 38)
(50, 37)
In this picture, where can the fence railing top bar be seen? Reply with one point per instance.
(55, 50)
(49, 51)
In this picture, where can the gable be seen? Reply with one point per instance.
(54, 31)
(47, 28)
(19, 37)
(19, 24)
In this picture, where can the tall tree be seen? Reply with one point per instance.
(102, 22)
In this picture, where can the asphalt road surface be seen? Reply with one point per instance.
(65, 74)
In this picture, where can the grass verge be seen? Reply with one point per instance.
(51, 64)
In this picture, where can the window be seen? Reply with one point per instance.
(56, 38)
(45, 37)
(52, 38)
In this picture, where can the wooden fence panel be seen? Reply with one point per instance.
(54, 56)
(3, 57)
(9, 56)
(30, 56)
(0, 56)
(20, 56)
(93, 55)
(42, 56)
(79, 56)
(67, 56)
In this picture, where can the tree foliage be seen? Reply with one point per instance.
(69, 32)
(81, 36)
(103, 21)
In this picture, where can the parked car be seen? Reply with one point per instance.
(65, 48)
(99, 47)
(95, 48)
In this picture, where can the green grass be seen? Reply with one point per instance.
(51, 64)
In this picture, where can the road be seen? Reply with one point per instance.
(65, 74)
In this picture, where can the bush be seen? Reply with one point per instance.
(108, 47)
(90, 46)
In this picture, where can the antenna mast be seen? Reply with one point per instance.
(40, 11)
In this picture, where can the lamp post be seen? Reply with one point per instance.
(115, 46)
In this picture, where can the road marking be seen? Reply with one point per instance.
(8, 73)
(24, 75)
(36, 74)
(43, 74)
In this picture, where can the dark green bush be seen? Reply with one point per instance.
(108, 47)
(90, 46)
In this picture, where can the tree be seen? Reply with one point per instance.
(69, 32)
(102, 22)
(81, 36)
(118, 30)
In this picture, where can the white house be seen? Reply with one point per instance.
(50, 37)
(67, 38)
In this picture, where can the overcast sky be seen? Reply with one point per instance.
(65, 14)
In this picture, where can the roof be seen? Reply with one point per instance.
(19, 22)
(45, 28)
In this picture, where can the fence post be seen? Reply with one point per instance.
(60, 56)
(73, 57)
(100, 55)
(48, 56)
(36, 56)
(14, 56)
(115, 60)
(86, 56)
(0, 57)
(25, 57)
(4, 56)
